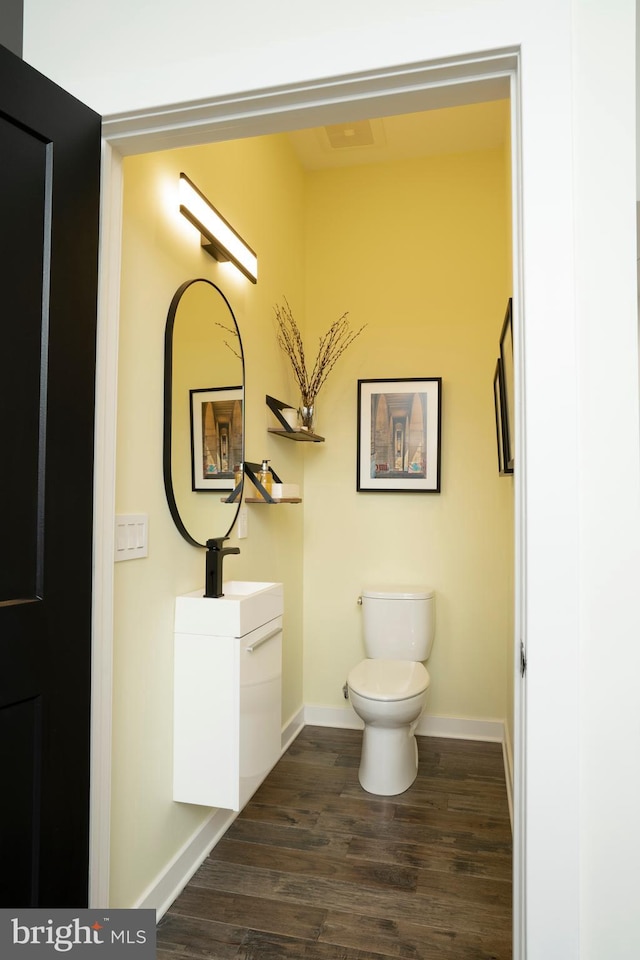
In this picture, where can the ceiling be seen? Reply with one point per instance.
(475, 126)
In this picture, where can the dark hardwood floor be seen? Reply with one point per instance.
(314, 868)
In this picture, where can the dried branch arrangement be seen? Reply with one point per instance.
(234, 333)
(331, 347)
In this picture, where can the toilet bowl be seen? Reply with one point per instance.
(389, 696)
(388, 690)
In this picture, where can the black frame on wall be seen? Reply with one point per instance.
(508, 389)
(498, 401)
(408, 470)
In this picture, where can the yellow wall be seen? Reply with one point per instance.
(259, 187)
(419, 251)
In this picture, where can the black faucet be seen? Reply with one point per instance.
(215, 553)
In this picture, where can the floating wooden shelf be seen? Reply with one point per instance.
(299, 434)
(291, 433)
(250, 472)
(273, 500)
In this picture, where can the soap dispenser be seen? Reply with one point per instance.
(265, 477)
(238, 475)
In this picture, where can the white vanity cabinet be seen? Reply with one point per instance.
(227, 698)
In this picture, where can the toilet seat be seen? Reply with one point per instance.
(389, 680)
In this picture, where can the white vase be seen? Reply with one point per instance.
(291, 417)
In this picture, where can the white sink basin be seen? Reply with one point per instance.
(245, 606)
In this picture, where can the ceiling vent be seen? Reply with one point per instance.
(359, 134)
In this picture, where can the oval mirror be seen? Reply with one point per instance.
(203, 411)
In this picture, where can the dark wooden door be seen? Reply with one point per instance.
(49, 188)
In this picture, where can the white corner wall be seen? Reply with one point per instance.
(609, 511)
(129, 60)
(580, 348)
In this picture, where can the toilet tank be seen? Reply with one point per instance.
(399, 623)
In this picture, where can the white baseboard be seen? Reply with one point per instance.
(291, 730)
(344, 717)
(453, 728)
(171, 881)
(461, 728)
(160, 894)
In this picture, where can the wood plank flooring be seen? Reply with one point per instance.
(314, 868)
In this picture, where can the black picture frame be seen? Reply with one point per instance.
(498, 402)
(399, 435)
(216, 436)
(508, 382)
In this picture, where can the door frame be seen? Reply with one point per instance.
(405, 89)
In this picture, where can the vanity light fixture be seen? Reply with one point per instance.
(219, 238)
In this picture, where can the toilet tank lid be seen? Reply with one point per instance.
(398, 593)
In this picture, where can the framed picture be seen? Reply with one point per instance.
(498, 401)
(506, 358)
(399, 435)
(216, 437)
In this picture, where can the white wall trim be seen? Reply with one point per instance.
(461, 728)
(452, 728)
(515, 777)
(291, 730)
(103, 526)
(399, 89)
(170, 882)
(340, 717)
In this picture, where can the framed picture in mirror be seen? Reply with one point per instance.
(216, 437)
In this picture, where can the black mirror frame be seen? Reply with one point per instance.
(168, 403)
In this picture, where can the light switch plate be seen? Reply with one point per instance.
(131, 536)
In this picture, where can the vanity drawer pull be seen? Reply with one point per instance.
(258, 643)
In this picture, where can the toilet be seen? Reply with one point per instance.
(388, 690)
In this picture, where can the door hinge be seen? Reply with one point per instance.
(523, 659)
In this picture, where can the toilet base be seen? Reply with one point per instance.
(389, 759)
